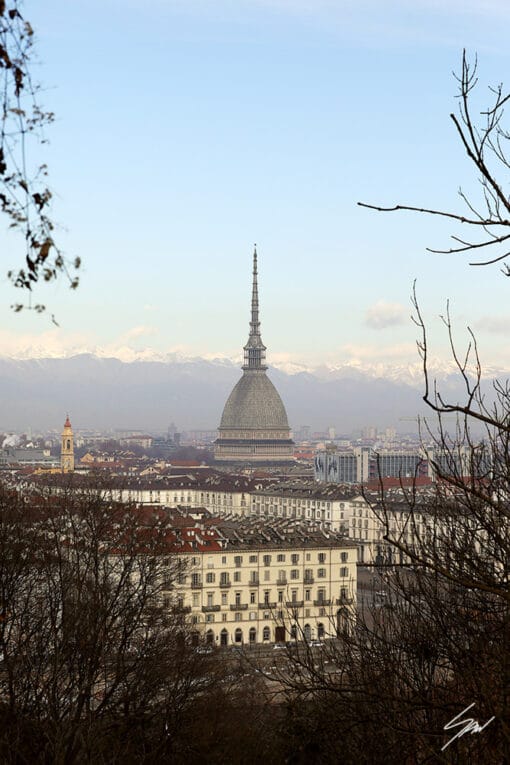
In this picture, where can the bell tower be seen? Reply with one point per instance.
(67, 449)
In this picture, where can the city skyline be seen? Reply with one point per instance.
(185, 132)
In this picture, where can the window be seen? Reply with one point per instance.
(196, 599)
(224, 617)
(308, 556)
(321, 573)
(209, 617)
(223, 598)
(267, 560)
(267, 576)
(253, 596)
(294, 596)
(238, 598)
(308, 595)
(266, 597)
(294, 573)
(343, 593)
(344, 571)
(280, 596)
(308, 575)
(344, 557)
(253, 558)
(266, 633)
(210, 598)
(181, 578)
(321, 595)
(238, 561)
(322, 557)
(294, 559)
(237, 576)
(253, 616)
(224, 560)
(280, 558)
(195, 580)
(224, 578)
(238, 616)
(209, 578)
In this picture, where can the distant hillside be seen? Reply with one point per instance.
(108, 393)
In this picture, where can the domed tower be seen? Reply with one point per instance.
(67, 449)
(254, 425)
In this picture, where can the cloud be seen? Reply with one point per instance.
(496, 325)
(402, 352)
(382, 315)
(143, 330)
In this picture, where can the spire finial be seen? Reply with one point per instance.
(254, 349)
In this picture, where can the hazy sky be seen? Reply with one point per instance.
(187, 130)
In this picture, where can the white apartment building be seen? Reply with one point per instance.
(263, 583)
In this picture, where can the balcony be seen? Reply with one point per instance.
(322, 602)
(238, 606)
(182, 609)
(196, 585)
(254, 582)
(208, 609)
(224, 585)
(267, 606)
(282, 582)
(294, 603)
(344, 601)
(309, 580)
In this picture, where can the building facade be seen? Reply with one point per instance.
(264, 583)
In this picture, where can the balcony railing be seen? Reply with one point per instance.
(208, 609)
(225, 584)
(344, 601)
(309, 580)
(182, 609)
(322, 602)
(196, 585)
(267, 605)
(254, 582)
(282, 581)
(238, 606)
(294, 603)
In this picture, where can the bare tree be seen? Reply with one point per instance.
(95, 660)
(486, 144)
(25, 195)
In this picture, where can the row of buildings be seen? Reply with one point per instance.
(247, 581)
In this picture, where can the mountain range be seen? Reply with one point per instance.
(106, 393)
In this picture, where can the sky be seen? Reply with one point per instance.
(188, 130)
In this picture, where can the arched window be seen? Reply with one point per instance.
(68, 442)
(266, 633)
(223, 637)
(209, 636)
(320, 630)
(238, 635)
(293, 631)
(253, 635)
(307, 633)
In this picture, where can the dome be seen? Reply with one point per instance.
(254, 404)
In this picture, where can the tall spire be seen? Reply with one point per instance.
(254, 350)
